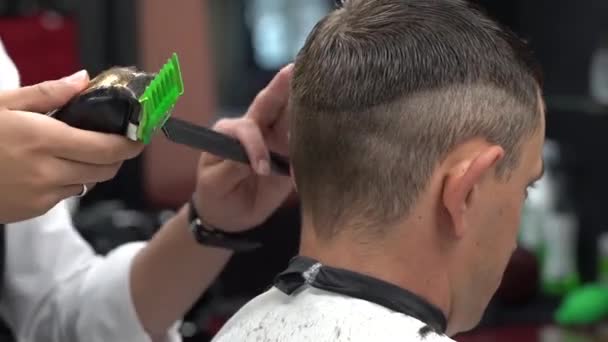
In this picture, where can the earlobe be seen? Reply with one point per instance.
(460, 185)
(456, 192)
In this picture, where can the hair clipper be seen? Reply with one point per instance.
(137, 104)
(109, 104)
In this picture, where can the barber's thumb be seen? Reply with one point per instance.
(46, 96)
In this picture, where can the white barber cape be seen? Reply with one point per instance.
(320, 316)
(55, 287)
(315, 302)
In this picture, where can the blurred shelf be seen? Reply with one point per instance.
(575, 104)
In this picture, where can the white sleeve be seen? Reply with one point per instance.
(57, 289)
(9, 77)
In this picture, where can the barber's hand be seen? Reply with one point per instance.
(43, 160)
(234, 196)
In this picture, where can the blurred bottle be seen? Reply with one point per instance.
(599, 72)
(550, 227)
(530, 233)
(559, 271)
(602, 261)
(541, 202)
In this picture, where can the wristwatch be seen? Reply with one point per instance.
(208, 235)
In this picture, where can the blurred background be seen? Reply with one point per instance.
(229, 49)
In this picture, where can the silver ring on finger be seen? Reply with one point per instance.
(84, 191)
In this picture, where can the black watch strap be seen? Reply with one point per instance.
(207, 235)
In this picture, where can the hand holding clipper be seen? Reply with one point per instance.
(136, 104)
(45, 161)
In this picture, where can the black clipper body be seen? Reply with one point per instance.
(109, 105)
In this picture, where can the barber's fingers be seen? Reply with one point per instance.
(54, 195)
(53, 172)
(50, 137)
(76, 190)
(96, 148)
(85, 146)
(45, 96)
(250, 136)
(269, 106)
(60, 179)
(223, 177)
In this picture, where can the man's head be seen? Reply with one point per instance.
(418, 113)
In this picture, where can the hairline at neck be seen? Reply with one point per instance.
(386, 259)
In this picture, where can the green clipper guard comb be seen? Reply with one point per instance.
(159, 98)
(126, 101)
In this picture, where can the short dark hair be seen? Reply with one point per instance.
(384, 89)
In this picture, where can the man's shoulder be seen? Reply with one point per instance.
(316, 315)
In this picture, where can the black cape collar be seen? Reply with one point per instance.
(306, 271)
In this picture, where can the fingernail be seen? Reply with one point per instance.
(78, 77)
(288, 67)
(264, 167)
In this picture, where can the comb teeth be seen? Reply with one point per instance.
(159, 98)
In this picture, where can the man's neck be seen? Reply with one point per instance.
(408, 264)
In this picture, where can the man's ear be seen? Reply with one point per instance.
(462, 180)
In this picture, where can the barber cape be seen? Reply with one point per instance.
(313, 302)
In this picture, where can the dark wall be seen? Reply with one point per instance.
(564, 35)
